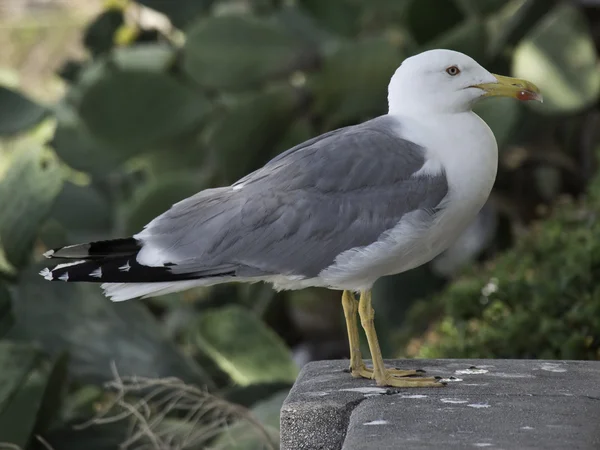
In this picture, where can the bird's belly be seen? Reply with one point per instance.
(410, 244)
(429, 243)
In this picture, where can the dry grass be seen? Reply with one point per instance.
(167, 414)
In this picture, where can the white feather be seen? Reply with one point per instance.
(119, 292)
(46, 273)
(69, 264)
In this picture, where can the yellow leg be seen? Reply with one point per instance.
(383, 376)
(357, 366)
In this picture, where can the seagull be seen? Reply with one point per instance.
(338, 211)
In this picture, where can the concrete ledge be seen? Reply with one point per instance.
(495, 404)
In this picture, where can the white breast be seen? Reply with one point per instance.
(465, 148)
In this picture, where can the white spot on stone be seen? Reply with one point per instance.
(97, 273)
(475, 371)
(46, 274)
(476, 384)
(125, 267)
(376, 422)
(414, 396)
(526, 428)
(366, 390)
(478, 405)
(453, 400)
(482, 444)
(64, 276)
(552, 367)
(511, 375)
(317, 394)
(450, 380)
(49, 253)
(238, 187)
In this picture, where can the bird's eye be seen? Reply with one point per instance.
(452, 71)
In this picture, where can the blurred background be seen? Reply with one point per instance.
(110, 112)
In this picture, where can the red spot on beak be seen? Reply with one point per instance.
(527, 95)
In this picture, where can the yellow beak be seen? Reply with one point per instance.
(511, 87)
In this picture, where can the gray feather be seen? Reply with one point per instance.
(338, 191)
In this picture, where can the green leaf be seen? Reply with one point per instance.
(240, 51)
(16, 360)
(242, 139)
(179, 12)
(299, 131)
(17, 420)
(559, 56)
(35, 405)
(52, 399)
(6, 267)
(6, 316)
(27, 192)
(304, 26)
(139, 109)
(153, 57)
(90, 220)
(340, 16)
(191, 155)
(514, 21)
(502, 115)
(244, 347)
(80, 150)
(244, 436)
(18, 113)
(352, 86)
(428, 19)
(469, 37)
(96, 332)
(158, 196)
(478, 8)
(99, 35)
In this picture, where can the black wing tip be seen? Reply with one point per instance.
(124, 269)
(99, 249)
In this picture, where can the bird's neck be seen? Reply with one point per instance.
(462, 143)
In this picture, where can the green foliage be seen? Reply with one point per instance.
(260, 357)
(571, 79)
(260, 120)
(528, 302)
(97, 333)
(28, 188)
(98, 37)
(152, 115)
(18, 113)
(118, 110)
(362, 67)
(222, 52)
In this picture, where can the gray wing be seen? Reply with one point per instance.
(335, 192)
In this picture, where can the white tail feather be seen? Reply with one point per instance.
(119, 292)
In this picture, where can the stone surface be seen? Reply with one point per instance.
(495, 404)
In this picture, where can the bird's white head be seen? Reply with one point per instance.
(445, 81)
